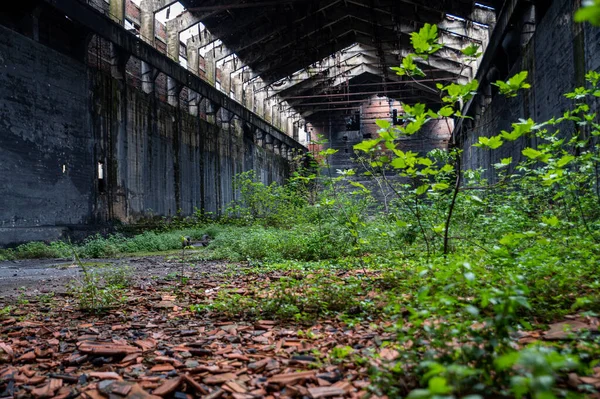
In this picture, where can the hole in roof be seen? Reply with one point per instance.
(484, 7)
(169, 12)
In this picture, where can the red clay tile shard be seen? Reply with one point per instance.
(27, 357)
(168, 387)
(291, 378)
(48, 390)
(162, 367)
(105, 375)
(107, 349)
(325, 392)
(219, 378)
(145, 344)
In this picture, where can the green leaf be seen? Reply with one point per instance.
(472, 50)
(422, 189)
(383, 123)
(408, 67)
(359, 185)
(490, 142)
(519, 129)
(535, 154)
(419, 394)
(440, 186)
(425, 40)
(592, 76)
(398, 163)
(506, 361)
(366, 145)
(531, 153)
(565, 160)
(424, 161)
(513, 85)
(475, 198)
(446, 111)
(439, 386)
(590, 12)
(327, 152)
(551, 221)
(460, 92)
(447, 168)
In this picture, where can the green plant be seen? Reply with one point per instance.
(95, 292)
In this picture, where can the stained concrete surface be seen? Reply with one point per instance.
(44, 276)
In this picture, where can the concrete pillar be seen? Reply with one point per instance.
(192, 54)
(118, 61)
(226, 78)
(116, 9)
(210, 67)
(147, 21)
(248, 95)
(238, 88)
(212, 108)
(269, 142)
(290, 125)
(277, 146)
(194, 102)
(173, 39)
(284, 150)
(259, 138)
(149, 75)
(173, 91)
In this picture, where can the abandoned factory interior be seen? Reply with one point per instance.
(300, 199)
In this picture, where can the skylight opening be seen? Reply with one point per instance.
(210, 47)
(485, 7)
(169, 12)
(455, 17)
(191, 32)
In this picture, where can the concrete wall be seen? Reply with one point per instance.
(557, 58)
(61, 116)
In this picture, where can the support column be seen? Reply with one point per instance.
(277, 146)
(269, 142)
(237, 87)
(173, 91)
(149, 75)
(117, 11)
(147, 21)
(211, 111)
(194, 102)
(118, 61)
(210, 67)
(193, 43)
(173, 39)
(226, 79)
(259, 138)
